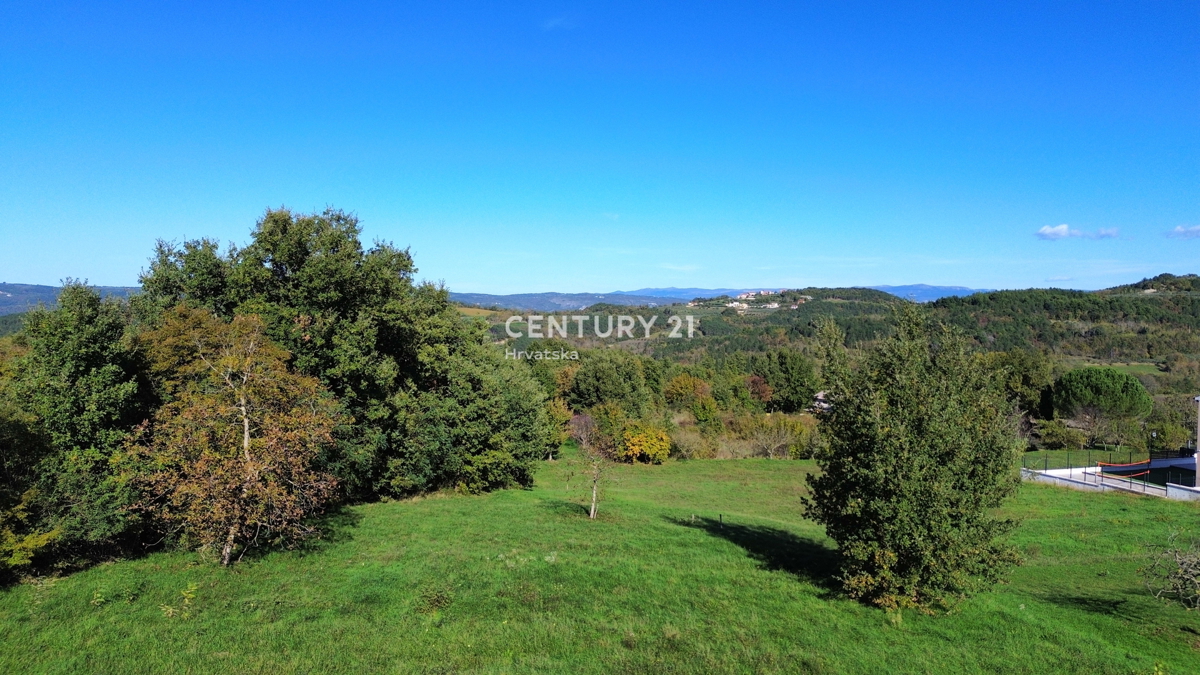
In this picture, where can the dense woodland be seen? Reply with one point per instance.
(247, 390)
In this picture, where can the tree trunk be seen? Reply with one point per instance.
(245, 427)
(227, 551)
(595, 483)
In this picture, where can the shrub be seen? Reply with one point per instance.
(775, 435)
(481, 426)
(646, 443)
(789, 380)
(683, 390)
(1165, 437)
(708, 417)
(688, 443)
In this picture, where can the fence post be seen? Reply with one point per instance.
(1070, 466)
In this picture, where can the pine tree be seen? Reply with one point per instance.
(921, 450)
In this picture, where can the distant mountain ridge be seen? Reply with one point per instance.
(927, 293)
(551, 302)
(17, 298)
(687, 293)
(916, 292)
(557, 302)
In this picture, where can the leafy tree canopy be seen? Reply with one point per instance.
(84, 381)
(1108, 391)
(389, 349)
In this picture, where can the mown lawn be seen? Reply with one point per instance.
(522, 581)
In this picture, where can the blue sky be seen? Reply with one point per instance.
(521, 147)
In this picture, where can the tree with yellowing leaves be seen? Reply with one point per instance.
(233, 454)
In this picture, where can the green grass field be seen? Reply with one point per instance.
(521, 581)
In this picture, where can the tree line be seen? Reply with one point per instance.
(244, 392)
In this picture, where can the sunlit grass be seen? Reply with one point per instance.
(698, 567)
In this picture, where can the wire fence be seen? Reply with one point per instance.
(1112, 464)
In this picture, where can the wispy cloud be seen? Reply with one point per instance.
(680, 268)
(559, 23)
(1056, 232)
(1181, 232)
(612, 216)
(1059, 278)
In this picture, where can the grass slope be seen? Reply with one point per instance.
(521, 581)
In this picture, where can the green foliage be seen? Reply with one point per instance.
(20, 541)
(481, 425)
(1106, 325)
(921, 449)
(685, 389)
(1056, 435)
(1028, 378)
(399, 357)
(791, 378)
(11, 323)
(708, 417)
(1107, 391)
(85, 382)
(1171, 423)
(608, 433)
(610, 376)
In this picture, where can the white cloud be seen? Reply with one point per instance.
(680, 268)
(1181, 232)
(1063, 231)
(1057, 232)
(1059, 279)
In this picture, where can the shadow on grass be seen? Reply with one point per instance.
(1094, 605)
(1140, 612)
(775, 549)
(562, 507)
(336, 527)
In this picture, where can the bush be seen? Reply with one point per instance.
(789, 380)
(775, 435)
(231, 460)
(708, 417)
(646, 443)
(683, 390)
(688, 443)
(85, 381)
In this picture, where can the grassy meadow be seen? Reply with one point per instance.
(693, 567)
